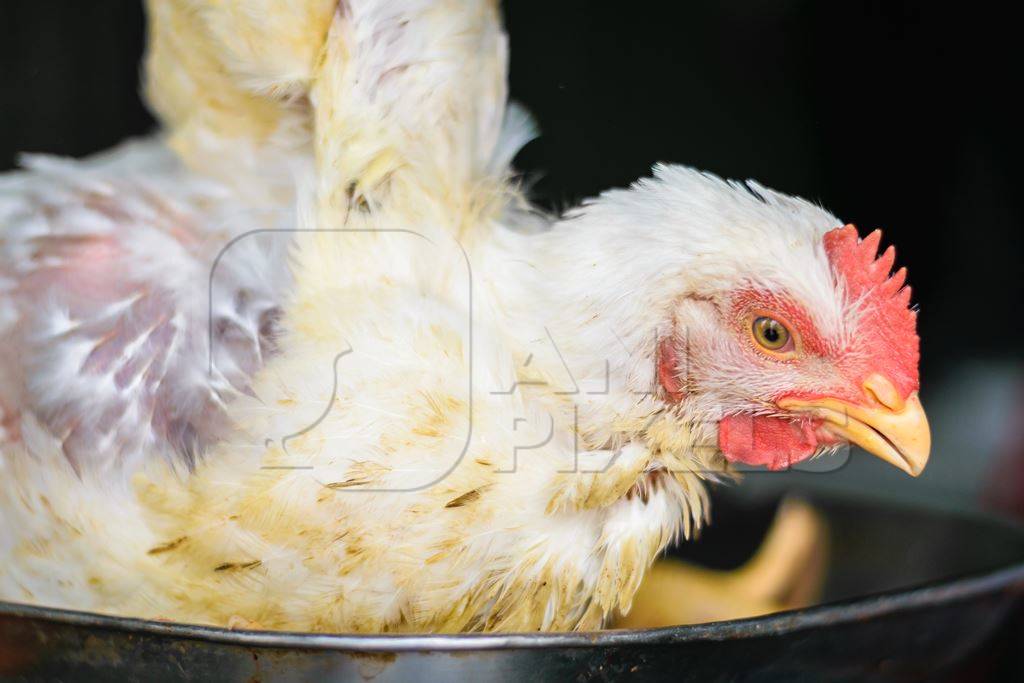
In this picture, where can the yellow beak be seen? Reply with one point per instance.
(893, 428)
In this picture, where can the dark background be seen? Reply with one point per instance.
(892, 114)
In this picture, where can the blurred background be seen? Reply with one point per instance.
(896, 115)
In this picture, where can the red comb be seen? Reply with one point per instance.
(887, 321)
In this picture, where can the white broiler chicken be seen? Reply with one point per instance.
(309, 361)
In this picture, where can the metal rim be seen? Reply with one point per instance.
(773, 624)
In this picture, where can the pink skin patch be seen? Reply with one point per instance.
(668, 371)
(10, 424)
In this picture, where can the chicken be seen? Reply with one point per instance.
(310, 361)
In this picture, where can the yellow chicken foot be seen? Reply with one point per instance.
(787, 572)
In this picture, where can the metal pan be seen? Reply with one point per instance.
(911, 596)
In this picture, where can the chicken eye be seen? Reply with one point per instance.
(770, 333)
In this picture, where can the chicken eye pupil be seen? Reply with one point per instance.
(770, 333)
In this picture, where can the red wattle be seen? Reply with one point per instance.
(772, 442)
